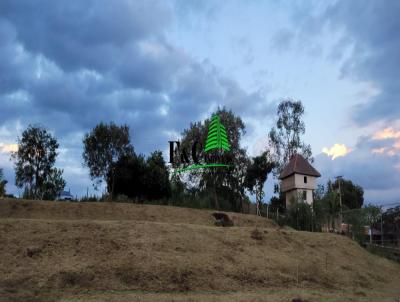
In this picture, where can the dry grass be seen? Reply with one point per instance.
(118, 211)
(122, 252)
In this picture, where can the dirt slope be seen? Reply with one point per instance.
(117, 211)
(121, 252)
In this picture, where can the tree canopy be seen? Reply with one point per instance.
(227, 186)
(34, 164)
(141, 179)
(352, 194)
(327, 207)
(103, 147)
(157, 177)
(3, 183)
(285, 139)
(391, 222)
(256, 175)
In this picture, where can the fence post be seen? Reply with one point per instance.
(312, 217)
(277, 215)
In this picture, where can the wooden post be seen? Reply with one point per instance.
(277, 215)
(312, 216)
(267, 211)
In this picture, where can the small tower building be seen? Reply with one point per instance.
(298, 180)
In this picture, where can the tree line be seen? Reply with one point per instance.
(107, 153)
(111, 159)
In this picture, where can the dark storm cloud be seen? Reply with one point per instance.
(84, 33)
(374, 27)
(16, 66)
(67, 65)
(369, 32)
(150, 65)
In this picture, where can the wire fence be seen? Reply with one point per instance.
(377, 228)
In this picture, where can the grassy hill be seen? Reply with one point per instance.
(56, 251)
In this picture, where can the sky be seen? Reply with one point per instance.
(159, 65)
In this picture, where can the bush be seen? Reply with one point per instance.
(92, 198)
(300, 216)
(139, 178)
(122, 198)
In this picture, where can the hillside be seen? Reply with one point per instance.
(53, 251)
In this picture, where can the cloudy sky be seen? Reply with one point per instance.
(158, 65)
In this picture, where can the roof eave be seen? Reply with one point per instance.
(307, 174)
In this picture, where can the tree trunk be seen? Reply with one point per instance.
(216, 196)
(257, 203)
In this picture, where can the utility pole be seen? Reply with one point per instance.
(339, 178)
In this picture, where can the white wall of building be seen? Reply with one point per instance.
(295, 185)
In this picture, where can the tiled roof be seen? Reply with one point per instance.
(298, 164)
